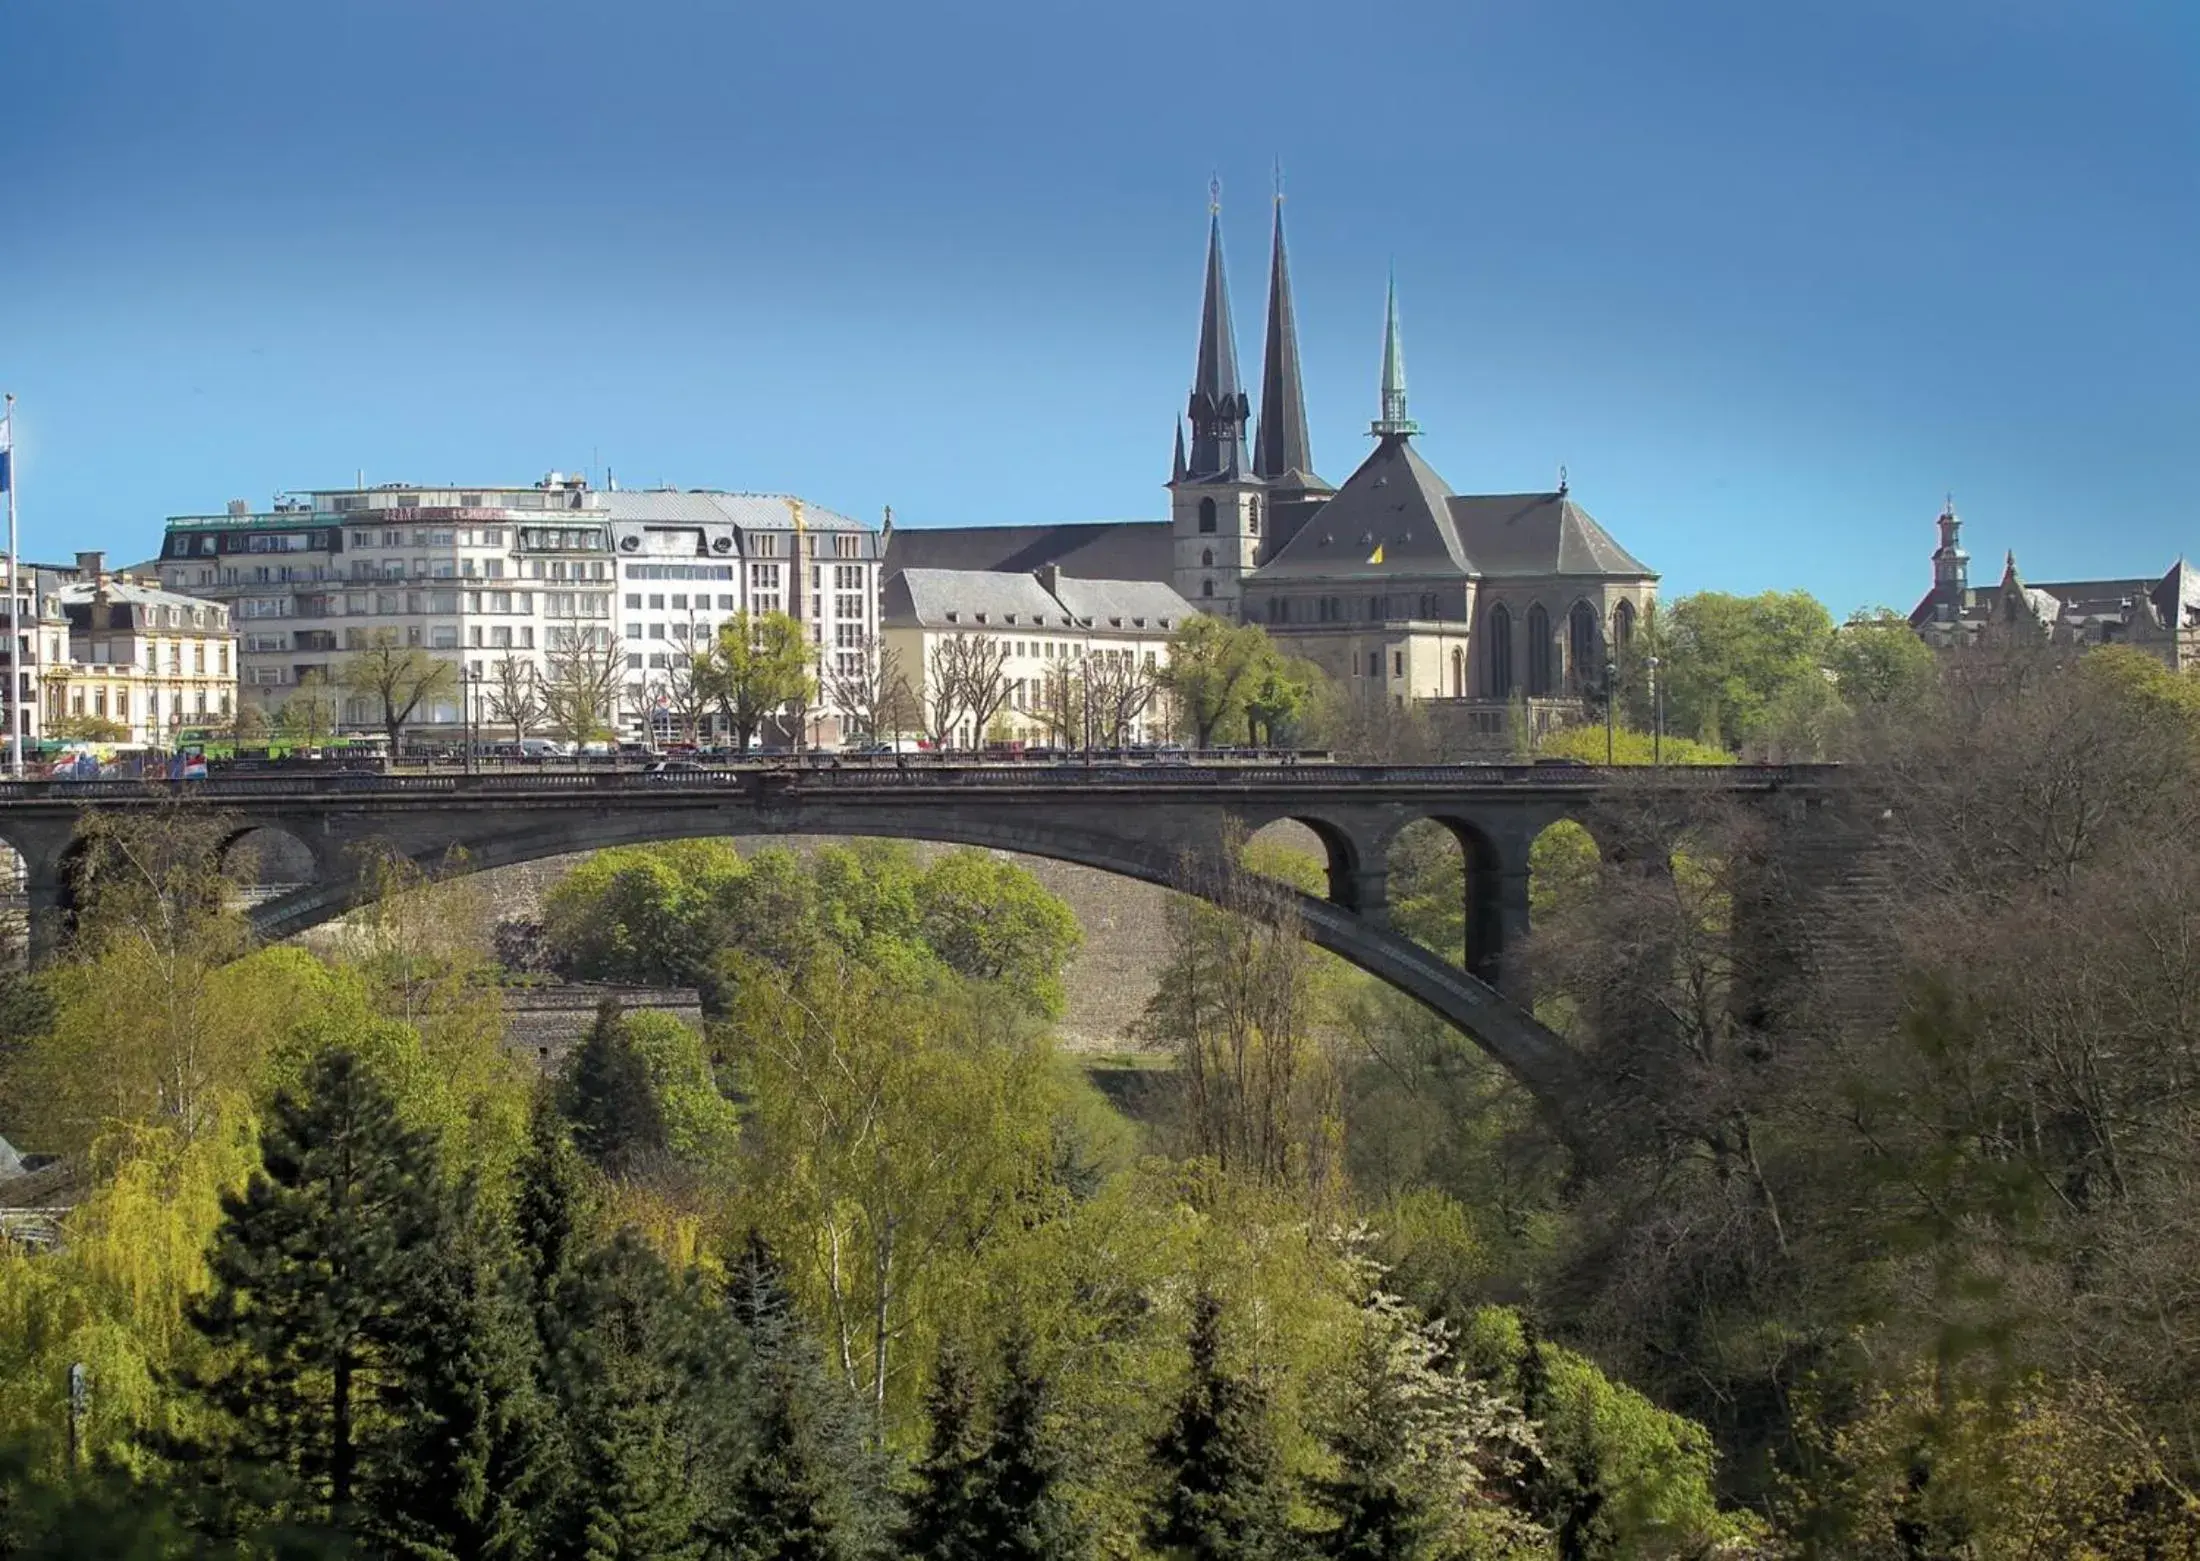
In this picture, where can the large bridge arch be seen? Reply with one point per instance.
(1171, 859)
(1137, 820)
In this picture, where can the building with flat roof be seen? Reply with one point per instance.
(519, 585)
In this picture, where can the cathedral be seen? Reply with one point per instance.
(1391, 582)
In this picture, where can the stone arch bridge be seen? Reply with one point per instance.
(1163, 823)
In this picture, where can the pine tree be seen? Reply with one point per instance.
(803, 1494)
(546, 1208)
(1019, 1508)
(646, 1378)
(1225, 1499)
(352, 1352)
(1563, 1481)
(941, 1521)
(618, 1121)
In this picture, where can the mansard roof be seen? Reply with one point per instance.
(1112, 550)
(2173, 599)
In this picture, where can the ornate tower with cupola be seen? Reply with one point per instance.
(1216, 501)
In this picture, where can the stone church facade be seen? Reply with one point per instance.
(1391, 582)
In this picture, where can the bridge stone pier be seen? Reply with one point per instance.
(1168, 824)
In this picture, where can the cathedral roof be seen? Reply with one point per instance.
(1392, 517)
(1538, 534)
(1396, 503)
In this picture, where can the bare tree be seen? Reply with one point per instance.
(396, 677)
(943, 691)
(871, 690)
(1119, 688)
(582, 693)
(985, 683)
(515, 694)
(1056, 700)
(690, 688)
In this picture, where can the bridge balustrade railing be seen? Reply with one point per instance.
(769, 780)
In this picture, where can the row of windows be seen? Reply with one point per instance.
(680, 572)
(433, 536)
(1585, 648)
(97, 701)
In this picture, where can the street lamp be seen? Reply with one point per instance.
(469, 677)
(1657, 714)
(1611, 704)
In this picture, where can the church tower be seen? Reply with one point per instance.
(1215, 497)
(1951, 567)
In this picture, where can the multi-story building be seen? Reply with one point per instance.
(2157, 614)
(498, 578)
(1051, 652)
(41, 638)
(151, 661)
(689, 560)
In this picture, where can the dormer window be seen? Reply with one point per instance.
(954, 617)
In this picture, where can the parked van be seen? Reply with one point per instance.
(541, 748)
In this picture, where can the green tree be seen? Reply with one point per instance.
(618, 1119)
(810, 1489)
(764, 664)
(1878, 660)
(1729, 660)
(309, 716)
(1018, 1488)
(1277, 701)
(993, 921)
(1223, 1496)
(396, 679)
(1214, 666)
(887, 1131)
(339, 1317)
(941, 1521)
(87, 729)
(654, 1411)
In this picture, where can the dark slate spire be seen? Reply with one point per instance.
(1218, 406)
(1176, 468)
(1282, 448)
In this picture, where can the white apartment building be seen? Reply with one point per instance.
(483, 574)
(689, 560)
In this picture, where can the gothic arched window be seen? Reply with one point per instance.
(1497, 653)
(1539, 651)
(1623, 627)
(1206, 558)
(1206, 514)
(1584, 652)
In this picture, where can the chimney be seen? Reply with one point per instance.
(239, 507)
(1050, 576)
(93, 566)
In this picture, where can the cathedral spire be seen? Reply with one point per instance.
(1176, 468)
(1282, 446)
(1219, 407)
(1393, 422)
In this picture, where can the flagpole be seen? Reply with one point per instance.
(15, 596)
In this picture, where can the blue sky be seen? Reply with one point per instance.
(1768, 278)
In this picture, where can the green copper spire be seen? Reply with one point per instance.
(1394, 421)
